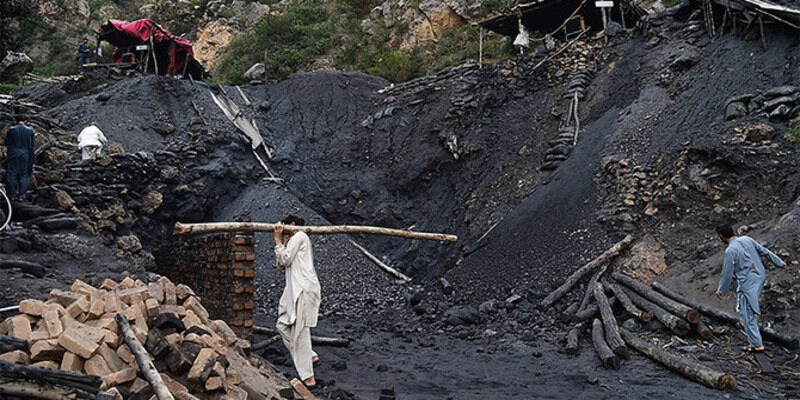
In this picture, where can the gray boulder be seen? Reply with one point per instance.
(14, 66)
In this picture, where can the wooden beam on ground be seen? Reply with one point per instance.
(577, 275)
(146, 366)
(211, 227)
(573, 336)
(45, 377)
(319, 340)
(609, 359)
(610, 327)
(685, 366)
(626, 302)
(264, 343)
(680, 309)
(702, 330)
(677, 325)
(764, 363)
(592, 311)
(394, 272)
(788, 341)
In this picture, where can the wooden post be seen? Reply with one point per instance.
(319, 340)
(677, 325)
(145, 364)
(210, 227)
(622, 16)
(626, 302)
(577, 275)
(761, 30)
(688, 368)
(609, 359)
(480, 48)
(691, 314)
(572, 337)
(592, 311)
(394, 272)
(609, 323)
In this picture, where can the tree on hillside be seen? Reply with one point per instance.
(19, 22)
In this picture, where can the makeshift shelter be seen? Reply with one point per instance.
(156, 49)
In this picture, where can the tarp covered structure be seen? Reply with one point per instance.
(172, 55)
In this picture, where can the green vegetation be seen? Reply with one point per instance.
(793, 135)
(284, 43)
(7, 88)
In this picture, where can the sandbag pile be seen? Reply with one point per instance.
(76, 331)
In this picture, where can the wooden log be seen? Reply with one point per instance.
(577, 275)
(573, 336)
(589, 293)
(592, 311)
(626, 302)
(609, 359)
(264, 343)
(569, 312)
(688, 368)
(680, 309)
(145, 364)
(210, 227)
(320, 340)
(379, 263)
(23, 389)
(9, 309)
(769, 334)
(678, 326)
(50, 377)
(610, 327)
(702, 330)
(9, 343)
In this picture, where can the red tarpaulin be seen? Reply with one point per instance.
(172, 55)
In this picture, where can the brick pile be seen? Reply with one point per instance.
(76, 331)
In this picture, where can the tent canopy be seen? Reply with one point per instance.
(171, 55)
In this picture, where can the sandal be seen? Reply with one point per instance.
(750, 349)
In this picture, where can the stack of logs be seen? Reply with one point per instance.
(644, 303)
(93, 340)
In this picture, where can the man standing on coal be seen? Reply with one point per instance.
(744, 271)
(83, 54)
(19, 163)
(299, 305)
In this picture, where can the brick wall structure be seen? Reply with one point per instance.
(220, 268)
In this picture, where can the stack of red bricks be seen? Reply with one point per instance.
(221, 268)
(76, 331)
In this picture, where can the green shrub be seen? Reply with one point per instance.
(7, 88)
(397, 66)
(793, 134)
(284, 43)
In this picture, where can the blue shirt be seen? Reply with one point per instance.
(743, 265)
(19, 141)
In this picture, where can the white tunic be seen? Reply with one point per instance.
(91, 136)
(301, 297)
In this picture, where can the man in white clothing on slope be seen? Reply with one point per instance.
(91, 141)
(299, 305)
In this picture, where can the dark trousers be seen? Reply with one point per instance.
(83, 59)
(17, 177)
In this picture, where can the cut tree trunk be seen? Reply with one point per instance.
(688, 368)
(210, 227)
(264, 343)
(589, 293)
(319, 340)
(609, 359)
(592, 311)
(702, 330)
(577, 275)
(569, 312)
(626, 302)
(43, 377)
(788, 341)
(689, 313)
(573, 336)
(677, 325)
(609, 323)
(145, 364)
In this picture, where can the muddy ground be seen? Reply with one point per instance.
(457, 152)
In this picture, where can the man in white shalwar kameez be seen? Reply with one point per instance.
(91, 141)
(299, 305)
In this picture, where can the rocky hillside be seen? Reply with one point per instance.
(676, 134)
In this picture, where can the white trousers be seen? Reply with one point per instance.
(90, 152)
(298, 341)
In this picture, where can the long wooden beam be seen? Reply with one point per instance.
(211, 227)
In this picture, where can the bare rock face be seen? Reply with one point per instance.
(426, 22)
(646, 260)
(56, 12)
(211, 41)
(14, 66)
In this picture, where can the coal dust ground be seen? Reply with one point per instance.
(457, 152)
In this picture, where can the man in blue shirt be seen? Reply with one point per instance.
(744, 271)
(19, 163)
(83, 54)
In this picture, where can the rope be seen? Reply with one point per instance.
(8, 218)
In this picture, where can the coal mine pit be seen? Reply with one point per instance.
(678, 132)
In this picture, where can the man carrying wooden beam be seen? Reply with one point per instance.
(743, 264)
(299, 305)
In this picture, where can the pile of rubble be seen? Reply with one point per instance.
(778, 103)
(196, 357)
